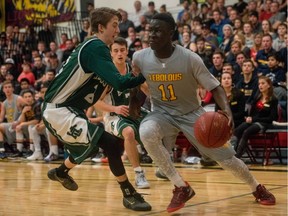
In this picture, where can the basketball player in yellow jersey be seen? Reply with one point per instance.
(173, 74)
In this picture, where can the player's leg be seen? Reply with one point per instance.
(130, 145)
(53, 147)
(112, 146)
(226, 159)
(151, 133)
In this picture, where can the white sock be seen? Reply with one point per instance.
(138, 169)
(20, 147)
(54, 149)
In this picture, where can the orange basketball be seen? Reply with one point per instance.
(212, 130)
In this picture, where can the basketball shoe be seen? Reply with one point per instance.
(160, 174)
(141, 181)
(180, 196)
(67, 182)
(263, 196)
(136, 202)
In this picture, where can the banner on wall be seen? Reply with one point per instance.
(28, 12)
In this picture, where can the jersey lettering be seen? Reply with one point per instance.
(170, 95)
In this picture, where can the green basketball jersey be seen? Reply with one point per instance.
(85, 75)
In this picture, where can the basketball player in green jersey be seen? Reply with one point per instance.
(81, 81)
(173, 74)
(116, 117)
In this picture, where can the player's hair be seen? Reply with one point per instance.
(120, 41)
(101, 16)
(166, 18)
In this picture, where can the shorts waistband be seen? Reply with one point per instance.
(52, 105)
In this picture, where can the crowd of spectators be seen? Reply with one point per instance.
(246, 39)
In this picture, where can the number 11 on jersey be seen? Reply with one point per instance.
(167, 94)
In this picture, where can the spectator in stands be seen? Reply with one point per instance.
(30, 115)
(85, 29)
(241, 38)
(277, 16)
(3, 72)
(186, 42)
(134, 46)
(47, 33)
(163, 9)
(135, 16)
(249, 37)
(75, 40)
(11, 67)
(185, 5)
(256, 46)
(279, 42)
(53, 63)
(125, 24)
(220, 6)
(212, 40)
(151, 10)
(282, 54)
(248, 82)
(38, 68)
(38, 129)
(69, 49)
(194, 11)
(261, 57)
(27, 73)
(217, 60)
(267, 28)
(218, 23)
(264, 9)
(64, 38)
(241, 7)
(55, 50)
(236, 47)
(233, 15)
(240, 58)
(131, 36)
(204, 50)
(235, 97)
(263, 111)
(228, 68)
(9, 116)
(47, 78)
(24, 85)
(277, 76)
(228, 37)
(253, 19)
(41, 47)
(204, 10)
(142, 25)
(252, 6)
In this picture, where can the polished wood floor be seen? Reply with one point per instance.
(26, 190)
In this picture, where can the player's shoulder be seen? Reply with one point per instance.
(142, 53)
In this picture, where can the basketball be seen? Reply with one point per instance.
(212, 130)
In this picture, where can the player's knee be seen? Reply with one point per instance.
(150, 132)
(128, 133)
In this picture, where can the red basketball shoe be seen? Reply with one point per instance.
(180, 196)
(263, 196)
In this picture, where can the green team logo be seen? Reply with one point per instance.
(74, 132)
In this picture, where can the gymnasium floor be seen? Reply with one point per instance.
(26, 190)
